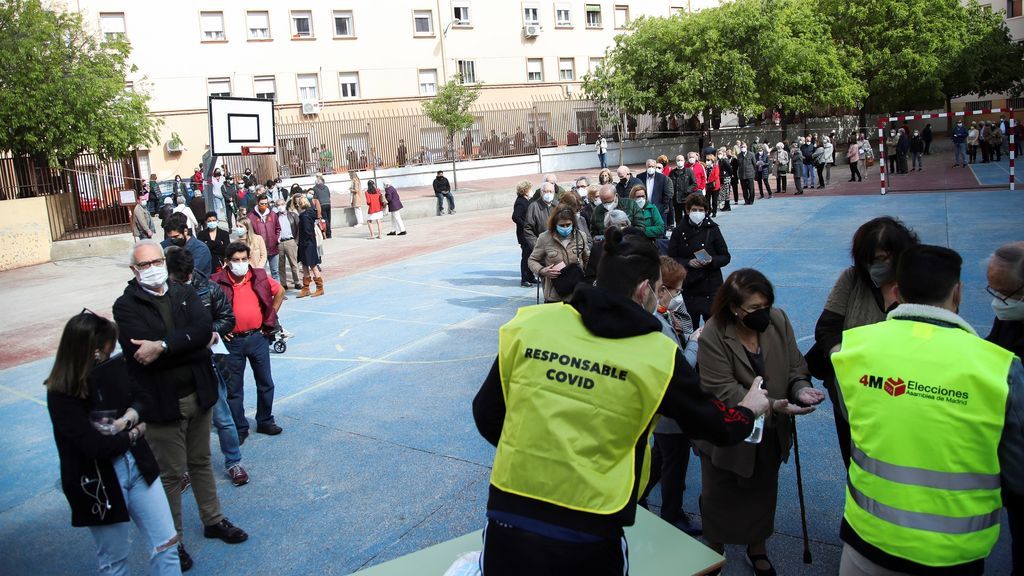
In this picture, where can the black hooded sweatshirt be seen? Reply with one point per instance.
(608, 315)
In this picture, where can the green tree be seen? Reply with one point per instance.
(62, 89)
(450, 110)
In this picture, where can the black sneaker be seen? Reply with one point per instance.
(269, 429)
(184, 559)
(242, 435)
(226, 531)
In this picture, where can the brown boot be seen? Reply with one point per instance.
(319, 287)
(305, 287)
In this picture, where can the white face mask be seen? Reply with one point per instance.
(239, 268)
(153, 277)
(697, 217)
(611, 205)
(651, 170)
(548, 197)
(676, 303)
(743, 150)
(239, 231)
(641, 202)
(1010, 311)
(680, 163)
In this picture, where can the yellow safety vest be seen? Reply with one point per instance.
(576, 407)
(926, 406)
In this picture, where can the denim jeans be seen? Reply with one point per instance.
(148, 508)
(960, 153)
(915, 160)
(809, 175)
(256, 350)
(225, 425)
(272, 266)
(604, 160)
(440, 201)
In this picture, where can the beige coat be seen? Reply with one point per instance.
(257, 250)
(549, 250)
(725, 373)
(358, 199)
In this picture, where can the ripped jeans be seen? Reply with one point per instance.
(148, 508)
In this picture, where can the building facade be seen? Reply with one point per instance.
(1013, 15)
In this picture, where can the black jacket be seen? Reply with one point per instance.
(607, 315)
(519, 217)
(441, 185)
(685, 241)
(85, 453)
(746, 169)
(623, 188)
(217, 242)
(684, 183)
(662, 193)
(138, 318)
(216, 304)
(1009, 335)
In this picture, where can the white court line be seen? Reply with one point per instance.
(441, 286)
(22, 395)
(369, 360)
(385, 318)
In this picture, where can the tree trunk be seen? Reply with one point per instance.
(451, 151)
(949, 118)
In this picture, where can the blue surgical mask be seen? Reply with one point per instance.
(564, 231)
(211, 225)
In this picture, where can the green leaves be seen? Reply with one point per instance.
(450, 108)
(62, 90)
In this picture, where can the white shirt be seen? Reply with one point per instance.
(286, 227)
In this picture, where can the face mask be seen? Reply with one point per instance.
(179, 241)
(548, 197)
(696, 218)
(880, 272)
(211, 225)
(676, 303)
(680, 163)
(239, 231)
(239, 268)
(650, 304)
(609, 206)
(743, 150)
(153, 277)
(1010, 311)
(309, 196)
(758, 320)
(582, 192)
(650, 171)
(564, 231)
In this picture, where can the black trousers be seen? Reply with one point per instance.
(509, 551)
(820, 169)
(748, 190)
(762, 185)
(325, 210)
(677, 211)
(525, 274)
(798, 181)
(670, 458)
(855, 171)
(1015, 515)
(927, 147)
(842, 424)
(712, 197)
(780, 183)
(698, 307)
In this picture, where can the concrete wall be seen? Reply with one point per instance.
(24, 233)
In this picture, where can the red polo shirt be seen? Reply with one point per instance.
(246, 305)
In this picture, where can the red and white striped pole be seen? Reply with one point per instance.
(1013, 147)
(882, 153)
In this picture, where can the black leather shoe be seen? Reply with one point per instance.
(184, 559)
(242, 435)
(755, 558)
(226, 531)
(392, 233)
(269, 429)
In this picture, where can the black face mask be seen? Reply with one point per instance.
(758, 320)
(179, 241)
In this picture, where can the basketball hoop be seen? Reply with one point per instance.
(258, 150)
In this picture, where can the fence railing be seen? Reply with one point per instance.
(82, 196)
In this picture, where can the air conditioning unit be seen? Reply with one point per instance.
(531, 30)
(310, 108)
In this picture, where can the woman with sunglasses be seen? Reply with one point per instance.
(107, 470)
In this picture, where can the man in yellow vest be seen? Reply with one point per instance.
(570, 404)
(936, 419)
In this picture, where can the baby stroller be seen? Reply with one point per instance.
(278, 339)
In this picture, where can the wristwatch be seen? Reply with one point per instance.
(163, 345)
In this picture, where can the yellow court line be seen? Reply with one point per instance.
(22, 395)
(368, 360)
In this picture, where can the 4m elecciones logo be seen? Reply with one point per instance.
(897, 386)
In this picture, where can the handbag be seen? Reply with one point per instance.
(322, 224)
(869, 161)
(571, 275)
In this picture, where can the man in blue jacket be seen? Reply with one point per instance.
(960, 144)
(659, 189)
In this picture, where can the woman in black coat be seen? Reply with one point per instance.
(526, 277)
(698, 245)
(107, 470)
(309, 253)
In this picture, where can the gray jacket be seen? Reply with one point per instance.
(746, 169)
(537, 214)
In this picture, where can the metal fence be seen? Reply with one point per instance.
(82, 196)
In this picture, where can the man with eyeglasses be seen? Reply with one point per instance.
(164, 330)
(1006, 286)
(265, 222)
(255, 299)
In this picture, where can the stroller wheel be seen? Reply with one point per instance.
(280, 347)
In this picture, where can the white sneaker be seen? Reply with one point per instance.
(285, 335)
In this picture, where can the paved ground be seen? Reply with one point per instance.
(380, 456)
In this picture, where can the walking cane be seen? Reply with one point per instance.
(538, 290)
(800, 494)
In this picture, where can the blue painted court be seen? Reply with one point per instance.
(380, 456)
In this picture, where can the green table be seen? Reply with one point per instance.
(655, 548)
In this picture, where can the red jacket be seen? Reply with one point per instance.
(714, 179)
(260, 283)
(269, 230)
(699, 174)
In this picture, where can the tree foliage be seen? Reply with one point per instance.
(450, 110)
(62, 89)
(987, 60)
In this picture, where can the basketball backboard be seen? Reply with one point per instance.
(241, 126)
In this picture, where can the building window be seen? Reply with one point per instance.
(566, 69)
(621, 16)
(348, 84)
(462, 15)
(265, 87)
(129, 86)
(676, 10)
(467, 71)
(593, 15)
(978, 105)
(595, 63)
(534, 70)
(343, 24)
(258, 24)
(423, 22)
(531, 15)
(219, 86)
(302, 24)
(563, 15)
(309, 87)
(112, 25)
(1013, 8)
(428, 82)
(1016, 104)
(212, 25)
